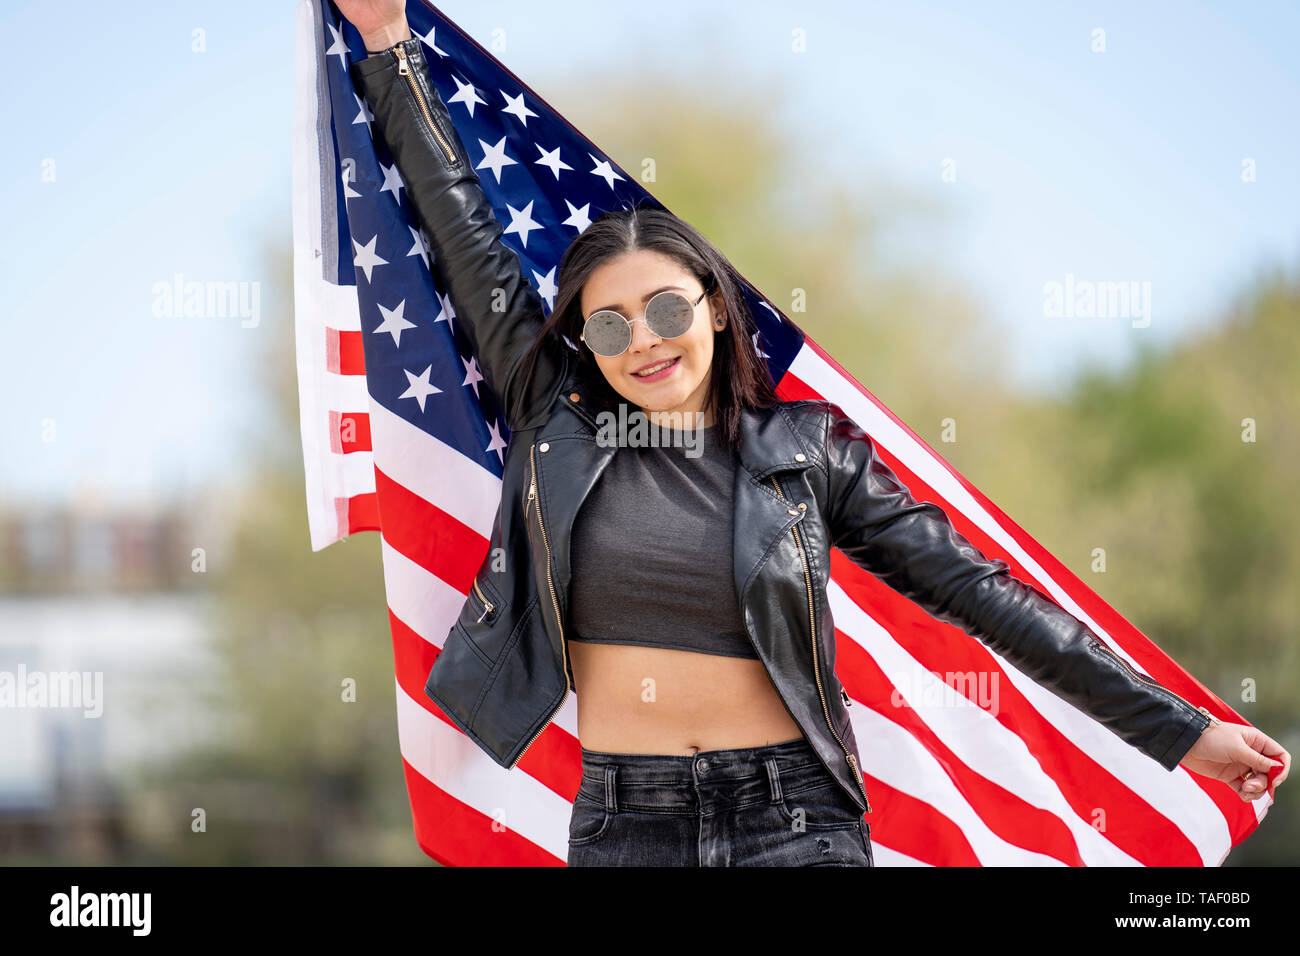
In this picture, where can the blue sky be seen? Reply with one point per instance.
(1122, 165)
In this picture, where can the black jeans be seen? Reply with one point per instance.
(776, 805)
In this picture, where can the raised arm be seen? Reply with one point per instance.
(913, 547)
(496, 307)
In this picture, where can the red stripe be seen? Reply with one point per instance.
(358, 513)
(352, 356)
(915, 828)
(349, 432)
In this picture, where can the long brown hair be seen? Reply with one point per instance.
(738, 378)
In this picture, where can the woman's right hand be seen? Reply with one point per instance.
(381, 23)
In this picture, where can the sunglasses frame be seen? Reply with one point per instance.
(583, 337)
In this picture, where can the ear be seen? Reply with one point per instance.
(719, 312)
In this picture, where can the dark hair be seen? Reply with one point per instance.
(738, 378)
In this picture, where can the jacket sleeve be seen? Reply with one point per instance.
(913, 547)
(496, 307)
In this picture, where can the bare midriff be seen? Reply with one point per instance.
(655, 700)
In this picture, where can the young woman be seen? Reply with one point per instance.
(683, 593)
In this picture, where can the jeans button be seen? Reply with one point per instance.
(701, 765)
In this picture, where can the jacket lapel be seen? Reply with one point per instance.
(760, 518)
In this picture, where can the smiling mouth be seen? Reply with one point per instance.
(656, 369)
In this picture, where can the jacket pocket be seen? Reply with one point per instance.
(483, 601)
(484, 622)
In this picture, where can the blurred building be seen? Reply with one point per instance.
(92, 595)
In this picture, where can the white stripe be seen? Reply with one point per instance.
(434, 470)
(356, 473)
(973, 734)
(883, 856)
(346, 393)
(449, 759)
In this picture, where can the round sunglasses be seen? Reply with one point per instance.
(668, 315)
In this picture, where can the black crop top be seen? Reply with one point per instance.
(651, 550)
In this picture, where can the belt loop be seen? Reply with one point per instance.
(774, 779)
(611, 804)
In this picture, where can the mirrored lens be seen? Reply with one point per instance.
(606, 333)
(669, 314)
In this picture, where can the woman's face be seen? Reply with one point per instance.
(625, 285)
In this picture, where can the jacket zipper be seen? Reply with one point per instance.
(1146, 680)
(532, 496)
(488, 606)
(405, 70)
(849, 758)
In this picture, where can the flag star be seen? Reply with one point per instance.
(517, 107)
(428, 40)
(365, 116)
(364, 257)
(551, 160)
(392, 181)
(420, 387)
(339, 46)
(546, 287)
(579, 216)
(447, 313)
(497, 442)
(495, 158)
(521, 221)
(465, 93)
(421, 246)
(472, 376)
(604, 170)
(758, 348)
(348, 169)
(394, 322)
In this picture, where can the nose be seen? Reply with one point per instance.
(642, 337)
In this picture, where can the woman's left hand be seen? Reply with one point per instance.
(1228, 752)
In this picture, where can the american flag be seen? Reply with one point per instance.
(401, 436)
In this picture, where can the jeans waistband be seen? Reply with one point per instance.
(700, 781)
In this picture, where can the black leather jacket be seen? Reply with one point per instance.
(808, 479)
